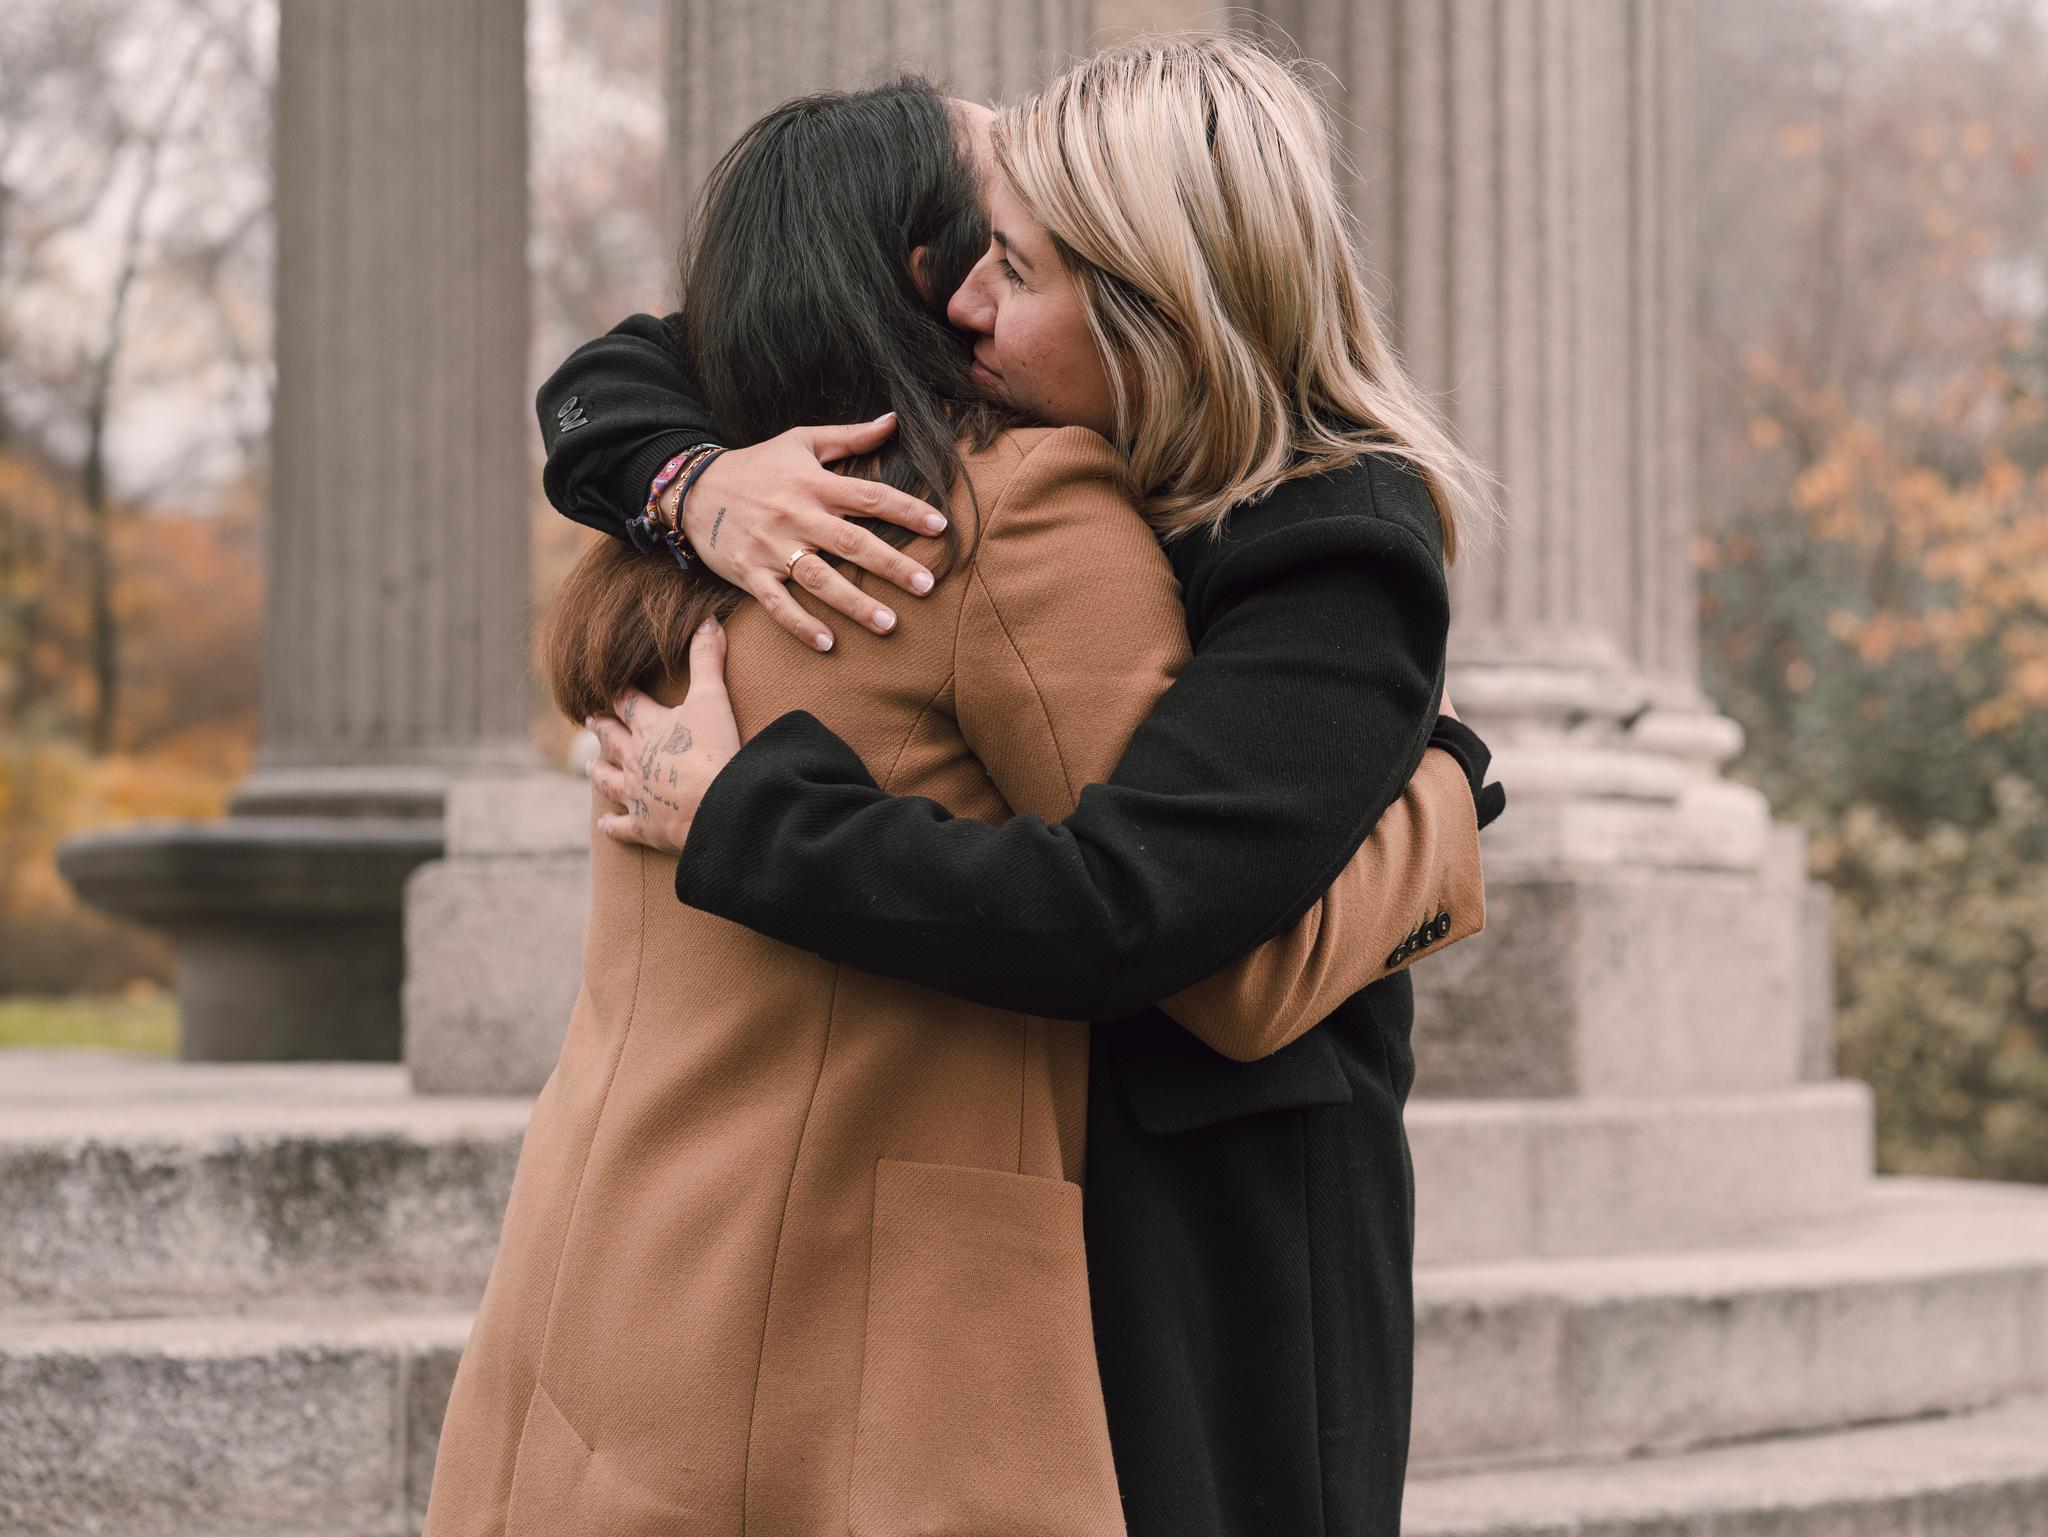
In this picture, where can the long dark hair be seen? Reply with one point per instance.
(800, 307)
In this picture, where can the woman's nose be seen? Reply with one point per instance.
(969, 308)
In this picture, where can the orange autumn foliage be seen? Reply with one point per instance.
(188, 603)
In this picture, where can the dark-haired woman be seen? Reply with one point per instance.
(796, 1248)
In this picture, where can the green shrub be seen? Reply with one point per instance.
(1941, 950)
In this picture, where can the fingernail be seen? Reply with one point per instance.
(882, 418)
(707, 627)
(883, 619)
(590, 723)
(935, 523)
(824, 643)
(922, 582)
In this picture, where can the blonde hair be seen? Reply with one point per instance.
(1187, 185)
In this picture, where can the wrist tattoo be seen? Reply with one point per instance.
(715, 522)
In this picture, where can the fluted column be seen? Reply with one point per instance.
(1523, 176)
(1520, 197)
(396, 632)
(731, 60)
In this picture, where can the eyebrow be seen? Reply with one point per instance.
(1011, 251)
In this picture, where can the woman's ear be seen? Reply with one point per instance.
(921, 272)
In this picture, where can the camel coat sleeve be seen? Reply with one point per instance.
(1060, 655)
(1425, 845)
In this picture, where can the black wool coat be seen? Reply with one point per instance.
(1250, 1226)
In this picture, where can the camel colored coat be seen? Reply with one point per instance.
(794, 1249)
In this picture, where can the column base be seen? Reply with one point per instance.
(1668, 818)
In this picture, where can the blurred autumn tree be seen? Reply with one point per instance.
(136, 394)
(1875, 523)
(133, 224)
(187, 594)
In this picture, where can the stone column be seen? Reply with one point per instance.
(731, 60)
(395, 638)
(1522, 172)
(1523, 177)
(396, 623)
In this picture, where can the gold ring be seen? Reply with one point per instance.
(796, 555)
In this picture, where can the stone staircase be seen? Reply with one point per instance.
(232, 1298)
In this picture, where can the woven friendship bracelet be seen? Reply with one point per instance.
(682, 462)
(650, 529)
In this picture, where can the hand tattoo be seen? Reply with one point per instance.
(715, 522)
(680, 740)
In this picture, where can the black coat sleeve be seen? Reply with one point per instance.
(618, 408)
(1310, 699)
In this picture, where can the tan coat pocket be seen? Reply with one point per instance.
(980, 1407)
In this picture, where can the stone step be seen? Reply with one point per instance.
(137, 1185)
(147, 1188)
(324, 1426)
(314, 1426)
(132, 1185)
(1501, 1177)
(322, 1418)
(161, 1186)
(1982, 1473)
(1932, 1298)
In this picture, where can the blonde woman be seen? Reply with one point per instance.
(795, 1247)
(1170, 267)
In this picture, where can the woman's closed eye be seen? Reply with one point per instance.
(1009, 272)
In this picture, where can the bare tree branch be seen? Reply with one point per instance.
(105, 642)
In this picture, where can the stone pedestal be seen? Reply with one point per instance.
(396, 609)
(1629, 983)
(494, 936)
(283, 925)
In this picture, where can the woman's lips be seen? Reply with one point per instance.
(986, 377)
